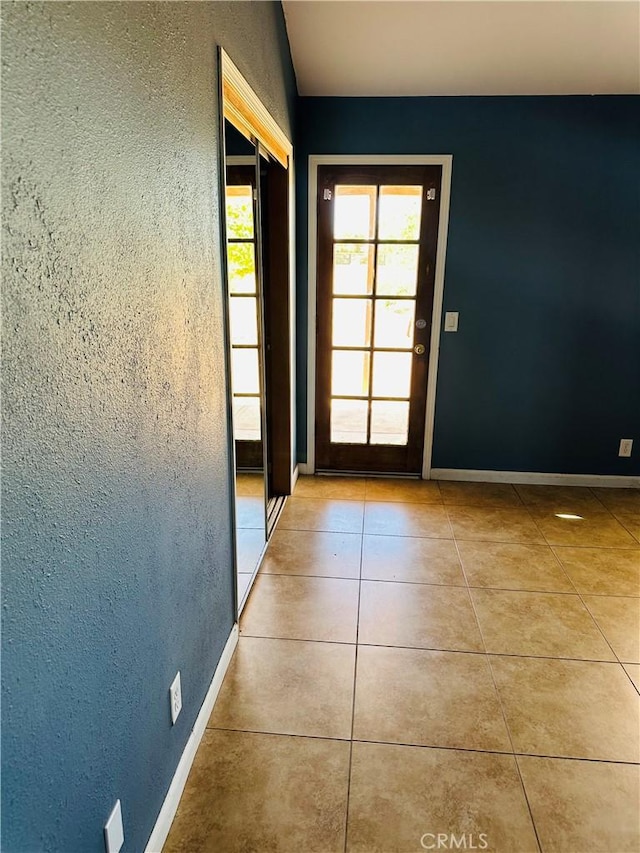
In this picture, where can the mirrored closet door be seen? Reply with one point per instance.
(258, 289)
(246, 337)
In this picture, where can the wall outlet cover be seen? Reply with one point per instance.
(114, 830)
(175, 698)
(626, 445)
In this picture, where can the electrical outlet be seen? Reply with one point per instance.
(625, 447)
(175, 698)
(114, 830)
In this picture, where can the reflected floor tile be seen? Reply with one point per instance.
(633, 671)
(301, 608)
(488, 524)
(405, 491)
(287, 687)
(406, 519)
(619, 500)
(262, 792)
(330, 515)
(431, 698)
(250, 544)
(583, 805)
(599, 530)
(569, 708)
(303, 552)
(602, 571)
(538, 623)
(244, 579)
(479, 494)
(512, 566)
(320, 487)
(250, 484)
(413, 560)
(398, 794)
(250, 512)
(417, 615)
(619, 620)
(559, 498)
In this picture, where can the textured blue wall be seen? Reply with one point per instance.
(543, 264)
(115, 516)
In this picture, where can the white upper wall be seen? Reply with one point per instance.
(449, 47)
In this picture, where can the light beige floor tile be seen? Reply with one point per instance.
(418, 616)
(619, 500)
(406, 519)
(602, 571)
(257, 792)
(288, 687)
(633, 671)
(406, 491)
(490, 524)
(559, 498)
(402, 794)
(619, 620)
(479, 494)
(503, 565)
(631, 522)
(538, 623)
(300, 608)
(330, 515)
(593, 529)
(321, 487)
(431, 698)
(303, 552)
(250, 484)
(567, 708)
(413, 560)
(583, 805)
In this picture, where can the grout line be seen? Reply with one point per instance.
(450, 651)
(635, 546)
(353, 700)
(626, 672)
(502, 711)
(625, 527)
(586, 607)
(410, 745)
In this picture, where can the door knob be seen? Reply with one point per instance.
(419, 349)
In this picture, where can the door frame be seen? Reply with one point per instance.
(315, 160)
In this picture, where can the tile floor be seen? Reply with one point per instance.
(426, 664)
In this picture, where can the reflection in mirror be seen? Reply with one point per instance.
(258, 189)
(247, 357)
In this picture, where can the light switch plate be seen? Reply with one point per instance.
(114, 830)
(451, 321)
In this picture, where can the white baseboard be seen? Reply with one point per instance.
(306, 469)
(294, 477)
(171, 801)
(526, 477)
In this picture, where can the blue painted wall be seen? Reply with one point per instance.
(116, 561)
(543, 264)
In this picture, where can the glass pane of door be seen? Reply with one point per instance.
(374, 286)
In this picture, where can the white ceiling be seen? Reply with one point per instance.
(450, 47)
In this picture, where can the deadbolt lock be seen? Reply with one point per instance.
(419, 349)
